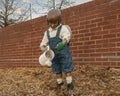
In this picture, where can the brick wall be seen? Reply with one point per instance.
(96, 36)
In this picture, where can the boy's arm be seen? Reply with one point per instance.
(66, 34)
(44, 43)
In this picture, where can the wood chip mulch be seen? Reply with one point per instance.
(88, 81)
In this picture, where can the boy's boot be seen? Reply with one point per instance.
(70, 86)
(59, 83)
(58, 89)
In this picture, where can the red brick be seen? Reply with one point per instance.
(107, 27)
(101, 1)
(115, 40)
(102, 59)
(95, 29)
(109, 36)
(90, 26)
(96, 37)
(103, 23)
(101, 50)
(110, 17)
(119, 16)
(97, 20)
(84, 22)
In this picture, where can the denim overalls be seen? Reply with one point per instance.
(62, 61)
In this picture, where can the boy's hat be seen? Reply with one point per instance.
(53, 16)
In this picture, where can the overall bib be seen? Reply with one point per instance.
(62, 62)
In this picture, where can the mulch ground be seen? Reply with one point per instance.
(88, 81)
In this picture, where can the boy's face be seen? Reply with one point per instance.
(53, 25)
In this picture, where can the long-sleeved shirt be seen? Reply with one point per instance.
(65, 34)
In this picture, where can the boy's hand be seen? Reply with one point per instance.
(60, 46)
(44, 48)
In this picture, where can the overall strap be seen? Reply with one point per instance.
(58, 31)
(48, 35)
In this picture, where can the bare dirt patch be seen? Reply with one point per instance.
(88, 81)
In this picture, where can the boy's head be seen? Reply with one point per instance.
(54, 18)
